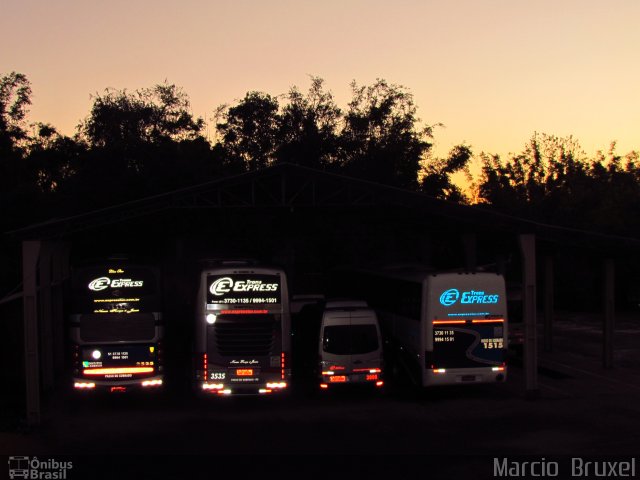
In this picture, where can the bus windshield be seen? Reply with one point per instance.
(350, 339)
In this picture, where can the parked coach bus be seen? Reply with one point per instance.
(442, 328)
(116, 327)
(243, 325)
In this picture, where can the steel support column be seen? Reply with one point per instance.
(609, 313)
(59, 273)
(45, 311)
(548, 303)
(30, 252)
(528, 247)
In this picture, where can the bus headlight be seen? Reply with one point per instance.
(211, 319)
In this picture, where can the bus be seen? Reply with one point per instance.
(441, 328)
(116, 327)
(243, 325)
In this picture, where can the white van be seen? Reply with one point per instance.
(350, 348)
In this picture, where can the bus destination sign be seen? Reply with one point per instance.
(243, 289)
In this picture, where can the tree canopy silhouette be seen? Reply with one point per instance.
(381, 140)
(552, 180)
(15, 98)
(135, 144)
(377, 138)
(309, 128)
(138, 144)
(249, 131)
(437, 179)
(122, 121)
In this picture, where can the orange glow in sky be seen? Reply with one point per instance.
(493, 71)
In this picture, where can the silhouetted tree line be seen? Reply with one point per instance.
(553, 181)
(136, 144)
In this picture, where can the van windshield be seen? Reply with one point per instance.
(350, 339)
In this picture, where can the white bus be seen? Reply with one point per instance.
(441, 328)
(243, 326)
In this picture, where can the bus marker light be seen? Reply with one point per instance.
(277, 385)
(152, 383)
(224, 392)
(439, 370)
(84, 385)
(447, 322)
(115, 371)
(497, 369)
(495, 320)
(328, 372)
(244, 312)
(212, 386)
(265, 390)
(338, 379)
(324, 385)
(368, 370)
(380, 383)
(282, 365)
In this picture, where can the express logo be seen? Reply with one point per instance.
(227, 285)
(99, 284)
(449, 297)
(221, 286)
(106, 282)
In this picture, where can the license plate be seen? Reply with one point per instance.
(468, 378)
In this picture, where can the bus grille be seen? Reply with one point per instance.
(116, 327)
(241, 337)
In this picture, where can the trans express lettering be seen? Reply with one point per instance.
(106, 282)
(478, 297)
(227, 284)
(451, 296)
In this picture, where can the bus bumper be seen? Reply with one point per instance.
(456, 376)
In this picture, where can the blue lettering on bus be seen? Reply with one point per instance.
(451, 296)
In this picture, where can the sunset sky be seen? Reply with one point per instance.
(493, 71)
